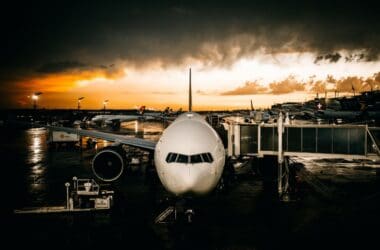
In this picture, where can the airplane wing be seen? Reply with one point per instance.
(131, 141)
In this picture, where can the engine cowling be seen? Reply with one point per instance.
(108, 164)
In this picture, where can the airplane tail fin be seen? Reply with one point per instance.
(190, 93)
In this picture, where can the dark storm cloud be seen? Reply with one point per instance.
(76, 67)
(355, 57)
(65, 66)
(34, 33)
(332, 58)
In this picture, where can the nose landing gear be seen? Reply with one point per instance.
(179, 212)
(189, 215)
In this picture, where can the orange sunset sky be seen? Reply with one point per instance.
(287, 77)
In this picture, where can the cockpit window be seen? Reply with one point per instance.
(195, 159)
(207, 157)
(210, 157)
(183, 158)
(171, 157)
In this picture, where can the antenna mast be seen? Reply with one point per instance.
(190, 94)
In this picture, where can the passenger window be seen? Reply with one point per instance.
(182, 158)
(195, 159)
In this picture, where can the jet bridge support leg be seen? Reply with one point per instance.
(280, 158)
(283, 179)
(279, 179)
(283, 163)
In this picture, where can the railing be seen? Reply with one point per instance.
(86, 187)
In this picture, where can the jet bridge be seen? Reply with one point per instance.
(317, 140)
(328, 141)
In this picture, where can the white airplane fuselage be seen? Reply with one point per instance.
(190, 156)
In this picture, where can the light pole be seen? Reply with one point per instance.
(104, 105)
(35, 97)
(67, 185)
(79, 100)
(75, 182)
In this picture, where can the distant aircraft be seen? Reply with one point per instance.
(347, 109)
(114, 121)
(258, 115)
(167, 114)
(189, 157)
(338, 114)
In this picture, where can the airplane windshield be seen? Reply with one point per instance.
(171, 157)
(207, 157)
(196, 159)
(193, 159)
(182, 158)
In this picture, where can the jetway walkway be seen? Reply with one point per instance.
(327, 141)
(284, 140)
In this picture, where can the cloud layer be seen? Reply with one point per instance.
(41, 38)
(291, 84)
(213, 32)
(249, 88)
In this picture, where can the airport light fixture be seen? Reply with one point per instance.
(79, 100)
(35, 97)
(105, 104)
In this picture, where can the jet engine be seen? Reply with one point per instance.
(108, 164)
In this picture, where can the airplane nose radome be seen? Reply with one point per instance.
(188, 184)
(194, 183)
(187, 181)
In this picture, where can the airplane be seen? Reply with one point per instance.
(168, 114)
(189, 156)
(364, 108)
(257, 116)
(114, 121)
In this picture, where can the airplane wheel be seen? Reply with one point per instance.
(189, 215)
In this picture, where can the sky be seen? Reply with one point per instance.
(136, 53)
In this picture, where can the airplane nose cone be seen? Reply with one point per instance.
(195, 181)
(189, 179)
(182, 180)
(189, 182)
